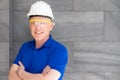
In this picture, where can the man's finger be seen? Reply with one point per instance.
(46, 70)
(21, 65)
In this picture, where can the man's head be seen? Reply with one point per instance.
(41, 20)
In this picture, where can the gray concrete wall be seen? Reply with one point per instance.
(90, 29)
(4, 39)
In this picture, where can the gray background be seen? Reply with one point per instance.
(90, 29)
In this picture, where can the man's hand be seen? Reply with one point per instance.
(21, 70)
(46, 70)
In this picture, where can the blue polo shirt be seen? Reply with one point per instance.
(52, 53)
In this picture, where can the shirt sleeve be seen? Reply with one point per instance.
(58, 59)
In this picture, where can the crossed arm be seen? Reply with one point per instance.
(18, 73)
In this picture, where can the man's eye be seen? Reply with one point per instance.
(43, 23)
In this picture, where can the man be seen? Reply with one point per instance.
(42, 58)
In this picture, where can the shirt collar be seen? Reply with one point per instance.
(46, 44)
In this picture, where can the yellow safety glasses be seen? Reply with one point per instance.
(40, 22)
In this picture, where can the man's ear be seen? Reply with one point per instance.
(52, 25)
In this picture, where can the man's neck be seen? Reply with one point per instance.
(38, 44)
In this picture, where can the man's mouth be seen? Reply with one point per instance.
(38, 33)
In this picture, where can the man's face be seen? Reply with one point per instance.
(40, 27)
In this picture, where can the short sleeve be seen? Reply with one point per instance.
(18, 57)
(58, 59)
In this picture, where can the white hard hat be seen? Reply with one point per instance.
(41, 8)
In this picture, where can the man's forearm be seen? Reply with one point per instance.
(13, 76)
(52, 75)
(47, 74)
(30, 76)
